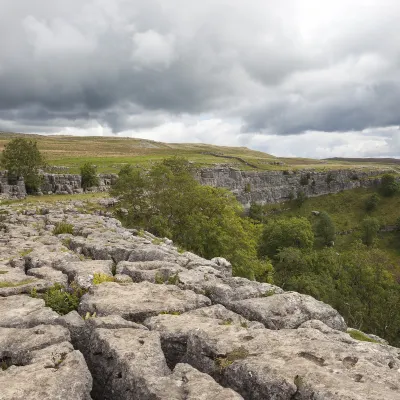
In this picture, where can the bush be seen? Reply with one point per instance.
(304, 180)
(371, 204)
(63, 227)
(22, 158)
(388, 186)
(89, 176)
(62, 301)
(369, 228)
(301, 198)
(256, 212)
(325, 228)
(286, 232)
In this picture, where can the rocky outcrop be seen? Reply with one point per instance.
(169, 325)
(276, 186)
(72, 183)
(14, 191)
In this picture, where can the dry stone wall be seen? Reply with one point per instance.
(169, 325)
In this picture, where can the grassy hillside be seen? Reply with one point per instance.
(111, 153)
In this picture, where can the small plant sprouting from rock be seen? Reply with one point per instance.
(62, 228)
(227, 322)
(99, 278)
(244, 325)
(157, 241)
(173, 279)
(61, 299)
(237, 354)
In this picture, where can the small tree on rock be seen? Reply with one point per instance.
(89, 176)
(389, 186)
(22, 158)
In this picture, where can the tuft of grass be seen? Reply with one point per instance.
(100, 278)
(357, 335)
(237, 354)
(11, 284)
(63, 227)
(3, 272)
(25, 252)
(170, 313)
(157, 241)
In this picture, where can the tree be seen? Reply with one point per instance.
(301, 198)
(369, 230)
(388, 185)
(256, 212)
(286, 232)
(325, 228)
(22, 158)
(168, 201)
(372, 202)
(89, 176)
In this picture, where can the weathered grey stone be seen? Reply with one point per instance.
(137, 301)
(295, 364)
(175, 329)
(25, 312)
(151, 271)
(288, 310)
(49, 274)
(82, 272)
(39, 363)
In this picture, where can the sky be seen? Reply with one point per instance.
(306, 78)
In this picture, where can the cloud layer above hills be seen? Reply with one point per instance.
(294, 77)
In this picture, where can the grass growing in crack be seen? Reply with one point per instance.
(17, 284)
(357, 335)
(237, 354)
(170, 313)
(24, 253)
(63, 227)
(100, 278)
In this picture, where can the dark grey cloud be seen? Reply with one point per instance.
(266, 68)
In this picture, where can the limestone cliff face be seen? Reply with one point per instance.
(7, 191)
(276, 186)
(72, 183)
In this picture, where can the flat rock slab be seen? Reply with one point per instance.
(299, 363)
(288, 311)
(138, 301)
(25, 312)
(49, 274)
(39, 363)
(175, 329)
(82, 272)
(129, 364)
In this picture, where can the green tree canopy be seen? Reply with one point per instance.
(89, 176)
(22, 158)
(286, 232)
(325, 228)
(388, 186)
(369, 230)
(168, 201)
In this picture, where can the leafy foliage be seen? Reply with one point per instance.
(290, 232)
(62, 300)
(388, 186)
(325, 228)
(371, 204)
(369, 230)
(168, 202)
(89, 176)
(22, 158)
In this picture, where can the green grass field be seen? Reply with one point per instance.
(109, 154)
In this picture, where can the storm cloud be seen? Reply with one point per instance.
(294, 77)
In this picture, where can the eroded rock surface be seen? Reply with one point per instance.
(169, 325)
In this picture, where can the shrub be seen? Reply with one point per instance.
(329, 178)
(247, 188)
(369, 229)
(325, 228)
(63, 227)
(301, 198)
(304, 180)
(372, 202)
(22, 158)
(62, 301)
(388, 186)
(89, 176)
